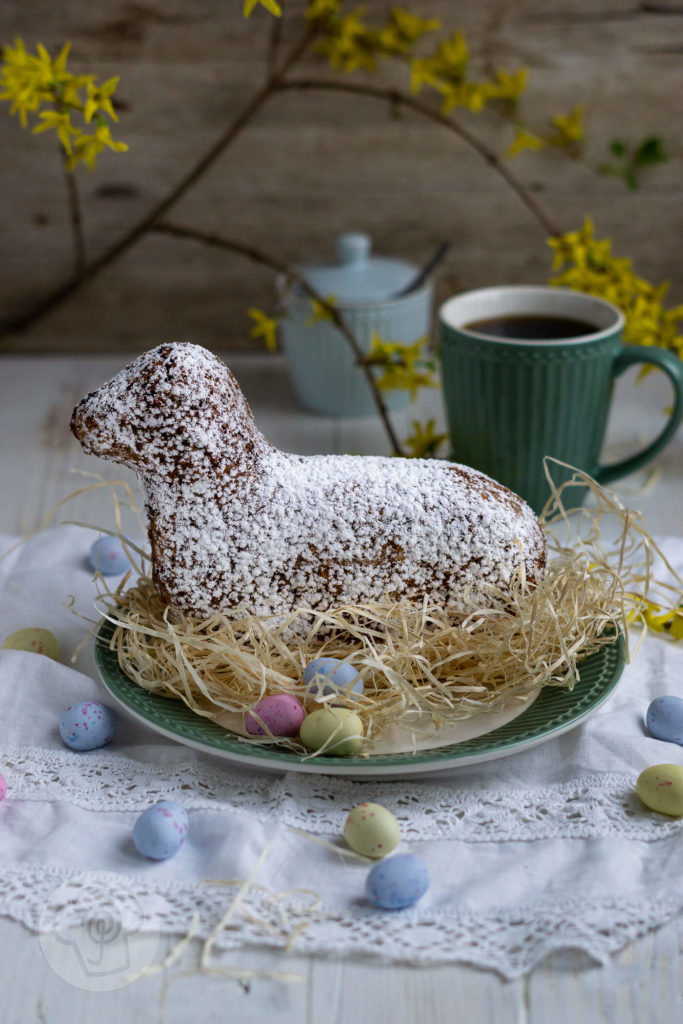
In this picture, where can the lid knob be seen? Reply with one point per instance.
(353, 248)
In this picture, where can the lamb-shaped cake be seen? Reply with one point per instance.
(239, 527)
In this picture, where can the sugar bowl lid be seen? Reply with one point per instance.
(357, 276)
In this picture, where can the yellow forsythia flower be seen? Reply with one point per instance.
(524, 140)
(403, 31)
(270, 5)
(31, 81)
(404, 367)
(99, 98)
(87, 148)
(588, 265)
(659, 620)
(424, 442)
(568, 133)
(264, 327)
(318, 10)
(510, 85)
(676, 627)
(350, 43)
(446, 71)
(569, 128)
(25, 79)
(412, 26)
(320, 310)
(61, 122)
(445, 68)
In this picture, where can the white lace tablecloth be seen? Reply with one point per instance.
(543, 850)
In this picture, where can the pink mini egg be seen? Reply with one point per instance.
(282, 713)
(3, 787)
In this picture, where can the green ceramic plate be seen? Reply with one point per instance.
(553, 712)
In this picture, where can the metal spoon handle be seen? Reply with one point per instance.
(428, 269)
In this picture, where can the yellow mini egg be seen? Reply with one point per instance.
(661, 788)
(321, 725)
(372, 830)
(35, 640)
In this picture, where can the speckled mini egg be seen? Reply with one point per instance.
(282, 713)
(34, 640)
(3, 787)
(661, 788)
(372, 830)
(160, 831)
(346, 726)
(87, 725)
(397, 882)
(330, 675)
(664, 719)
(108, 557)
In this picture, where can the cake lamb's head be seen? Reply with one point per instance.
(174, 411)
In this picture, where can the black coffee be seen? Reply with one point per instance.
(532, 327)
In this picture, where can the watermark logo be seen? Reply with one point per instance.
(98, 937)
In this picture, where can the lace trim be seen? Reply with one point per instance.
(511, 941)
(594, 806)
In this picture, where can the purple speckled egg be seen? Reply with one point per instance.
(282, 713)
(88, 725)
(3, 787)
(160, 831)
(108, 557)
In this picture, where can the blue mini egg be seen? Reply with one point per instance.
(664, 719)
(87, 725)
(397, 882)
(108, 557)
(160, 831)
(333, 675)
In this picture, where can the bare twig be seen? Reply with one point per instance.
(258, 256)
(56, 297)
(76, 220)
(396, 98)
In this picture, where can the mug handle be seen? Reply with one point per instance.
(673, 368)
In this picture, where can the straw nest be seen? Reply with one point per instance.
(412, 657)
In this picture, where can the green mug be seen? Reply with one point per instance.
(510, 401)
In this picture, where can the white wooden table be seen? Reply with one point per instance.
(642, 984)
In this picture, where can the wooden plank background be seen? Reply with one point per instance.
(313, 165)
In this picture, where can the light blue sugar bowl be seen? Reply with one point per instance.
(322, 366)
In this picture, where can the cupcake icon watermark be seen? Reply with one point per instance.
(97, 936)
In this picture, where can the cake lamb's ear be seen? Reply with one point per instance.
(174, 408)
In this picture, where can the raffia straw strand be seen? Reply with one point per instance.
(233, 908)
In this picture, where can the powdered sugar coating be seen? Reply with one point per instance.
(238, 526)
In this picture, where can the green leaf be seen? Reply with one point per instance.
(631, 180)
(618, 172)
(650, 151)
(617, 148)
